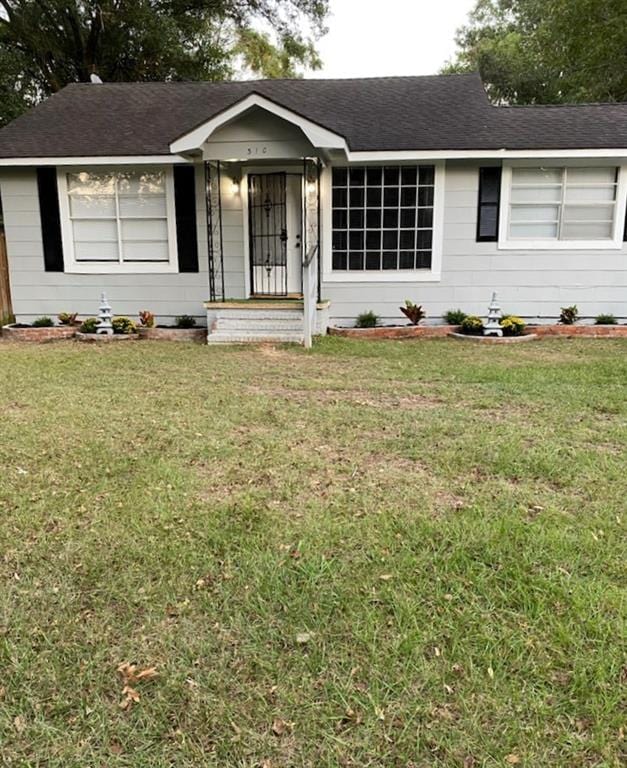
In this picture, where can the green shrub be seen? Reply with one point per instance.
(123, 326)
(472, 325)
(512, 325)
(67, 318)
(43, 322)
(184, 321)
(569, 315)
(605, 320)
(367, 320)
(455, 317)
(413, 312)
(90, 325)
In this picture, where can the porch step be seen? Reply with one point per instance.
(244, 324)
(237, 324)
(295, 315)
(259, 337)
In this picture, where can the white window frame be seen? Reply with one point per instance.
(432, 275)
(116, 267)
(505, 242)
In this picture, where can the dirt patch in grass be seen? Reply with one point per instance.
(359, 397)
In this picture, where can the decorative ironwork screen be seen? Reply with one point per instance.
(213, 198)
(267, 212)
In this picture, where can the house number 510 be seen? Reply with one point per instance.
(257, 150)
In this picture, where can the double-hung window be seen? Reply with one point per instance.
(119, 220)
(561, 207)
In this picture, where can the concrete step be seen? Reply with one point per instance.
(259, 314)
(245, 324)
(259, 337)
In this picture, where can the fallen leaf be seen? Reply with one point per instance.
(490, 673)
(19, 723)
(350, 717)
(130, 674)
(131, 696)
(281, 727)
(512, 759)
(303, 637)
(146, 674)
(386, 576)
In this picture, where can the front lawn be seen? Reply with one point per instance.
(375, 554)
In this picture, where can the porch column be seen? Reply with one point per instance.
(311, 246)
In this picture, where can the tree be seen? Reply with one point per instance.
(547, 51)
(46, 44)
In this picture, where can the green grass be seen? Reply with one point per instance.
(443, 523)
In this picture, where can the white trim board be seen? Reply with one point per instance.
(97, 160)
(353, 157)
(316, 134)
(482, 154)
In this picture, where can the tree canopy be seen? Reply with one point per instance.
(547, 51)
(46, 44)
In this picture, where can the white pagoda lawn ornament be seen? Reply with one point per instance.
(104, 316)
(492, 326)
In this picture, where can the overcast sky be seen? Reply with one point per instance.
(369, 38)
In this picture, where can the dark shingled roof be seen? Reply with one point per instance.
(442, 112)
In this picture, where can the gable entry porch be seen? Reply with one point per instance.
(279, 247)
(262, 166)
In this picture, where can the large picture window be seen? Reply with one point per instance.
(119, 219)
(562, 204)
(382, 218)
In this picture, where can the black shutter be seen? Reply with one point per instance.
(625, 230)
(488, 206)
(50, 218)
(185, 204)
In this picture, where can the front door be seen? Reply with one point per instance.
(275, 230)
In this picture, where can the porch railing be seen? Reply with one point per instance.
(310, 294)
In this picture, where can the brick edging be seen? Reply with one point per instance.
(580, 331)
(173, 334)
(392, 332)
(435, 331)
(38, 335)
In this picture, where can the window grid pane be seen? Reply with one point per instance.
(382, 217)
(563, 203)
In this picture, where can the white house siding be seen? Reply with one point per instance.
(534, 284)
(36, 292)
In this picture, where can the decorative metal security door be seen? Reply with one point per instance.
(267, 222)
